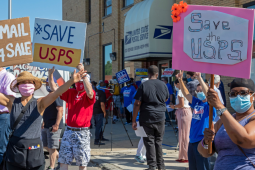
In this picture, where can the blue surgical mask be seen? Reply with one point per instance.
(201, 96)
(240, 103)
(189, 79)
(48, 89)
(176, 88)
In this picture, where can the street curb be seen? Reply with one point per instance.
(103, 165)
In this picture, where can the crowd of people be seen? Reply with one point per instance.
(29, 125)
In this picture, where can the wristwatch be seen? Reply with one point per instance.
(221, 111)
(205, 146)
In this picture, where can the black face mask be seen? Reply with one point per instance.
(48, 89)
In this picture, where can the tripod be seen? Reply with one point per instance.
(112, 107)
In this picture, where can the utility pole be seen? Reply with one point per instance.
(10, 9)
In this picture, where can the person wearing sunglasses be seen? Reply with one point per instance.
(200, 121)
(233, 136)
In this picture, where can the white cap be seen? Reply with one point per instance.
(216, 79)
(144, 80)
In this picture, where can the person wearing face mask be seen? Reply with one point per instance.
(192, 83)
(101, 86)
(200, 121)
(233, 135)
(184, 116)
(128, 92)
(52, 127)
(25, 149)
(76, 139)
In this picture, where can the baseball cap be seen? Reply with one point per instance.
(100, 81)
(106, 82)
(239, 82)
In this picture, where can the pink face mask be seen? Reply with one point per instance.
(26, 89)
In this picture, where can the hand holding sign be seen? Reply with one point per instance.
(80, 67)
(213, 99)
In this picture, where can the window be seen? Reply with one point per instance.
(89, 5)
(128, 2)
(107, 68)
(107, 7)
(128, 70)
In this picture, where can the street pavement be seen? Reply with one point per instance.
(123, 153)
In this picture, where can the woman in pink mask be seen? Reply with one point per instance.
(25, 150)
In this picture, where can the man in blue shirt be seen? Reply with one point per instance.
(128, 92)
(200, 121)
(170, 99)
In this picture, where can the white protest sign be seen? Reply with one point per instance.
(58, 43)
(215, 37)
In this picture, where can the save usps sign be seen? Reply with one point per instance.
(58, 43)
(122, 76)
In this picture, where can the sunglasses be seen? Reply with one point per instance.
(241, 93)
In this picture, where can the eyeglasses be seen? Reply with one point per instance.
(241, 93)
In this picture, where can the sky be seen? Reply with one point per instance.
(48, 9)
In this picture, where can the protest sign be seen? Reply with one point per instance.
(58, 43)
(15, 42)
(214, 40)
(168, 72)
(141, 72)
(122, 76)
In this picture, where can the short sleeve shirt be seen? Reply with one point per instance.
(200, 119)
(51, 113)
(80, 108)
(152, 94)
(5, 81)
(128, 93)
(186, 102)
(100, 97)
(170, 90)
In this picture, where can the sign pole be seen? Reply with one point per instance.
(211, 115)
(10, 9)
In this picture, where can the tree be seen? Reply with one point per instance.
(108, 68)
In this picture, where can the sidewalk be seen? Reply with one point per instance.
(123, 153)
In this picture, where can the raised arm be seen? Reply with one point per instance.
(44, 102)
(87, 85)
(52, 84)
(6, 100)
(184, 90)
(202, 83)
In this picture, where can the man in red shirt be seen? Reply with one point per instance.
(76, 139)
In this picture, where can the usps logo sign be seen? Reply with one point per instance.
(58, 43)
(122, 76)
(215, 37)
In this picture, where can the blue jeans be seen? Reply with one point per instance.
(99, 120)
(196, 161)
(4, 133)
(167, 116)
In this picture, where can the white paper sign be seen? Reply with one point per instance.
(58, 43)
(140, 131)
(215, 37)
(130, 108)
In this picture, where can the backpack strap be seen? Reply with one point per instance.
(20, 116)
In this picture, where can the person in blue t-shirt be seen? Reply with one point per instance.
(127, 93)
(170, 99)
(200, 121)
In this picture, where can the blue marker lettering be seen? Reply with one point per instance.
(53, 32)
(70, 35)
(46, 32)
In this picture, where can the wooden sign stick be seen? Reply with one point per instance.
(211, 115)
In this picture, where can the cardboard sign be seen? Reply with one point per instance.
(141, 72)
(214, 40)
(15, 42)
(58, 43)
(122, 76)
(168, 72)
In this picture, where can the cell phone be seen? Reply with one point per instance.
(50, 129)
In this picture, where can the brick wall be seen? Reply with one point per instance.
(77, 10)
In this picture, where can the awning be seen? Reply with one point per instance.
(148, 30)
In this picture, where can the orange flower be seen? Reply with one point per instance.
(176, 7)
(176, 12)
(183, 6)
(176, 18)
